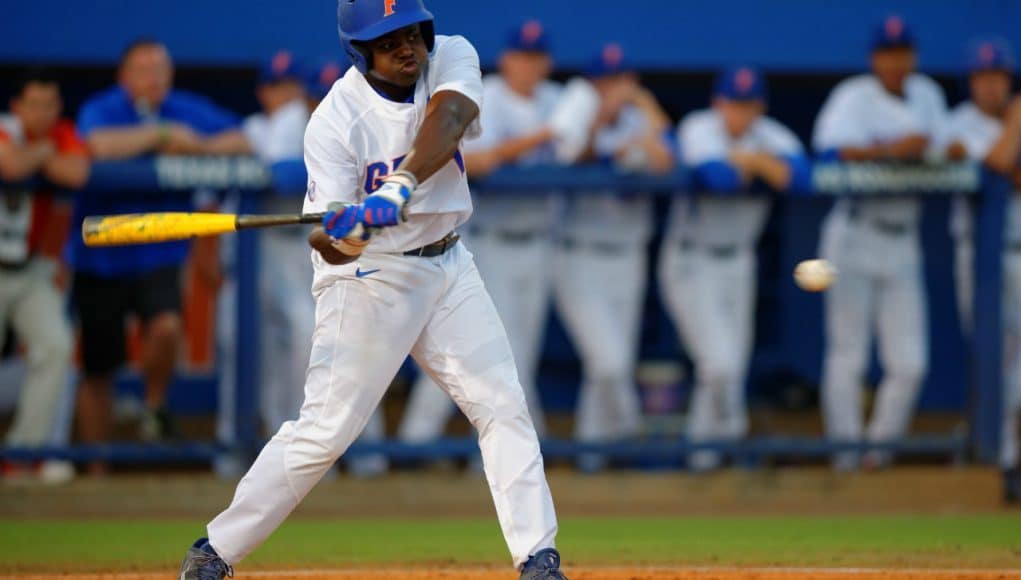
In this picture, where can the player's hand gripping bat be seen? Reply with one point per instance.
(147, 228)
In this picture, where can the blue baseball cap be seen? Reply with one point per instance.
(892, 32)
(531, 36)
(319, 80)
(608, 61)
(990, 54)
(281, 67)
(742, 83)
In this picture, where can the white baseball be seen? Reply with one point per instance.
(814, 275)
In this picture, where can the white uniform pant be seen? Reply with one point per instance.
(34, 308)
(599, 295)
(879, 289)
(438, 310)
(1011, 313)
(517, 278)
(287, 317)
(709, 293)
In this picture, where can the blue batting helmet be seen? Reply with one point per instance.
(364, 20)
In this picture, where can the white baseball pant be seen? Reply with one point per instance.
(599, 295)
(516, 275)
(879, 289)
(32, 305)
(709, 293)
(438, 310)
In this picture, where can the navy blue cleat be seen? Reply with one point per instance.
(543, 565)
(203, 563)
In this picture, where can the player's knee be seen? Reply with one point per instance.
(909, 370)
(503, 411)
(718, 373)
(846, 362)
(164, 330)
(54, 348)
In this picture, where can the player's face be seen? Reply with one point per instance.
(892, 67)
(990, 90)
(738, 116)
(523, 71)
(38, 108)
(398, 57)
(147, 74)
(272, 96)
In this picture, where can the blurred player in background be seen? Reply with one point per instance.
(319, 80)
(708, 263)
(987, 129)
(142, 115)
(600, 266)
(889, 115)
(510, 233)
(34, 140)
(382, 151)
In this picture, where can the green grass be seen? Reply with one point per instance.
(971, 541)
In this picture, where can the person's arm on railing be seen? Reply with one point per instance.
(774, 170)
(18, 162)
(1003, 157)
(70, 170)
(484, 161)
(230, 142)
(910, 148)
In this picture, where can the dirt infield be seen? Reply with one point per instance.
(657, 573)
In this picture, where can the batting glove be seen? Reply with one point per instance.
(388, 205)
(341, 219)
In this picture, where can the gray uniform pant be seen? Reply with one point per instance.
(33, 307)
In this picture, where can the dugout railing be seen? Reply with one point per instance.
(254, 181)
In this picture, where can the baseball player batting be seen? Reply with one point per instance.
(382, 157)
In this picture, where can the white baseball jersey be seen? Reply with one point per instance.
(15, 208)
(606, 216)
(977, 132)
(278, 136)
(356, 138)
(725, 220)
(860, 112)
(508, 115)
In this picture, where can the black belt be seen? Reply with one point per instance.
(610, 248)
(509, 237)
(13, 266)
(718, 251)
(883, 226)
(436, 248)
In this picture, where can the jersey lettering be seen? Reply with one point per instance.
(376, 172)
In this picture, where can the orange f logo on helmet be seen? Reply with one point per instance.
(388, 7)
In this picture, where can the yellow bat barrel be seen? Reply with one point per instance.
(148, 228)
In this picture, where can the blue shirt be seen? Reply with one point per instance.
(111, 109)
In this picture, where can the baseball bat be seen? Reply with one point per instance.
(148, 228)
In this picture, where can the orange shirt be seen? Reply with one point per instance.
(50, 217)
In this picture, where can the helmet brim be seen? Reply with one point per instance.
(390, 24)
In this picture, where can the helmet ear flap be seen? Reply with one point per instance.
(361, 55)
(428, 31)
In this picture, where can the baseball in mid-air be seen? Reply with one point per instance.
(814, 275)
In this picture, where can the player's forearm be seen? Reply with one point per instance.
(447, 118)
(323, 243)
(1003, 157)
(18, 163)
(512, 149)
(774, 171)
(70, 171)
(227, 143)
(661, 158)
(112, 144)
(655, 116)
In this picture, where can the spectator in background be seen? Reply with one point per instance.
(708, 263)
(987, 129)
(600, 265)
(319, 81)
(509, 234)
(889, 115)
(142, 115)
(35, 141)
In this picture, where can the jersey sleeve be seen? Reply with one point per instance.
(457, 69)
(839, 123)
(490, 122)
(94, 115)
(67, 140)
(207, 117)
(700, 140)
(958, 128)
(332, 167)
(284, 136)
